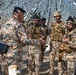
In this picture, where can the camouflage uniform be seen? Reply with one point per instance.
(44, 32)
(71, 57)
(34, 33)
(14, 35)
(57, 32)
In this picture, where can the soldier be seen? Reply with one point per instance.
(75, 52)
(44, 32)
(57, 32)
(14, 34)
(70, 39)
(34, 32)
(72, 64)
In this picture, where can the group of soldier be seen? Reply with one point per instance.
(62, 35)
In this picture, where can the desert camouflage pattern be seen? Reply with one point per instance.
(73, 39)
(57, 13)
(14, 35)
(34, 31)
(57, 33)
(34, 59)
(44, 33)
(34, 53)
(70, 57)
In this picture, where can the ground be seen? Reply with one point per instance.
(44, 68)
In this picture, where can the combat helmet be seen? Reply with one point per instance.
(57, 13)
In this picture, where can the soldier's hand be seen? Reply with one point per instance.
(66, 40)
(5, 55)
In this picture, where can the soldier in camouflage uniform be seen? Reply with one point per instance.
(44, 32)
(75, 53)
(14, 34)
(72, 63)
(57, 32)
(34, 33)
(70, 40)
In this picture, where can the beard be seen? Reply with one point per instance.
(68, 28)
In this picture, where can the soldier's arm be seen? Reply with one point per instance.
(3, 31)
(24, 39)
(72, 44)
(31, 42)
(72, 41)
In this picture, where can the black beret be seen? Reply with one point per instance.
(35, 16)
(18, 8)
(70, 19)
(43, 19)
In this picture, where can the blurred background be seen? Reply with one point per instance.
(44, 8)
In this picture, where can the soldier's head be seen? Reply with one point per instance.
(18, 13)
(35, 19)
(43, 21)
(70, 22)
(57, 15)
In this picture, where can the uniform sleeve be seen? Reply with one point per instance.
(73, 43)
(4, 30)
(73, 40)
(22, 35)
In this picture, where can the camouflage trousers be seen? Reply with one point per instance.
(56, 67)
(71, 62)
(34, 59)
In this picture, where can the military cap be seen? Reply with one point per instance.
(35, 17)
(43, 19)
(57, 13)
(70, 19)
(18, 8)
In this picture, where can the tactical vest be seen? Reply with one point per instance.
(34, 31)
(57, 31)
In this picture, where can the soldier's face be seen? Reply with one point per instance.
(69, 25)
(20, 15)
(57, 18)
(43, 22)
(35, 21)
